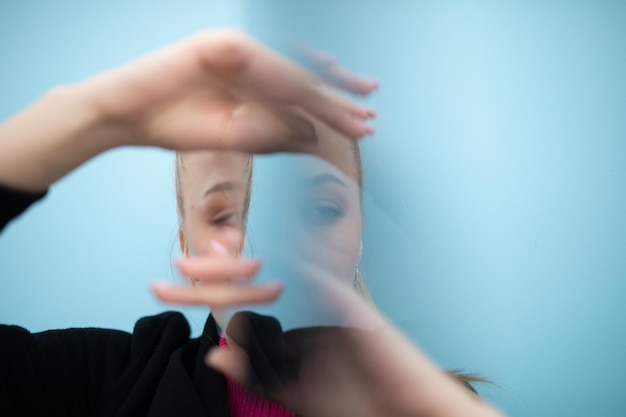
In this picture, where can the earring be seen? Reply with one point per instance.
(193, 282)
(357, 276)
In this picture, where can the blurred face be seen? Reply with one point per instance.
(330, 212)
(316, 204)
(214, 187)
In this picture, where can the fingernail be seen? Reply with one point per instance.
(368, 85)
(218, 247)
(160, 285)
(367, 129)
(277, 286)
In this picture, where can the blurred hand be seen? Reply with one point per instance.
(362, 366)
(222, 90)
(219, 90)
(221, 279)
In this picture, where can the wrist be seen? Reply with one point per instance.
(52, 137)
(99, 129)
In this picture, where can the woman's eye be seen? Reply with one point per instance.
(231, 219)
(322, 213)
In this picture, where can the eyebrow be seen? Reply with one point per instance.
(224, 186)
(322, 179)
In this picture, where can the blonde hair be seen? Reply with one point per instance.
(464, 378)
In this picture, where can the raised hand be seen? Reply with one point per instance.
(219, 90)
(223, 90)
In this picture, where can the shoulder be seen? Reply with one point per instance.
(166, 321)
(167, 330)
(80, 369)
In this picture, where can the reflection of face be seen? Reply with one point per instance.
(324, 222)
(315, 209)
(336, 212)
(214, 186)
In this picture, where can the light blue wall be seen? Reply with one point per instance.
(502, 145)
(86, 255)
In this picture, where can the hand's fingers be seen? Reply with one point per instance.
(218, 268)
(264, 128)
(327, 68)
(218, 296)
(257, 72)
(336, 112)
(344, 79)
(231, 361)
(224, 124)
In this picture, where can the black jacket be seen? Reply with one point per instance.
(155, 371)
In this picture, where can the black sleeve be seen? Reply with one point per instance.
(15, 202)
(80, 372)
(57, 372)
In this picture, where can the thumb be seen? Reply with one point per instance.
(231, 361)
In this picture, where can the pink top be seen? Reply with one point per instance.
(243, 403)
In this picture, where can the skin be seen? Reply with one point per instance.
(329, 218)
(214, 186)
(217, 90)
(222, 91)
(369, 374)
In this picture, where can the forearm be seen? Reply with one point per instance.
(52, 137)
(421, 389)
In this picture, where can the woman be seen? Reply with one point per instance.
(219, 91)
(213, 196)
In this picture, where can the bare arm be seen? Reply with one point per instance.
(51, 138)
(216, 90)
